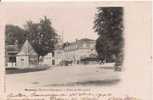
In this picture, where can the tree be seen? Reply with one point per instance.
(14, 33)
(41, 35)
(109, 26)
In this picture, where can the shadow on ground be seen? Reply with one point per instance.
(25, 70)
(89, 83)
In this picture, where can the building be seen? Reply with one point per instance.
(10, 55)
(48, 59)
(80, 49)
(72, 53)
(54, 58)
(59, 56)
(27, 56)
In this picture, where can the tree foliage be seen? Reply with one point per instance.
(14, 33)
(109, 26)
(41, 35)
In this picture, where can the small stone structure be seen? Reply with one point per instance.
(27, 57)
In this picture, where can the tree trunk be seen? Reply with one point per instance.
(38, 58)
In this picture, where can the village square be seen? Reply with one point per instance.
(76, 64)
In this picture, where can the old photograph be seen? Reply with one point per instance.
(98, 48)
(76, 50)
(63, 45)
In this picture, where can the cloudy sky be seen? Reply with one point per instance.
(74, 20)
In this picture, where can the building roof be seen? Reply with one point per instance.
(27, 50)
(74, 44)
(86, 39)
(81, 40)
(11, 49)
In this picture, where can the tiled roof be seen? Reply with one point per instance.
(27, 49)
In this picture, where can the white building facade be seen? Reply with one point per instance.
(80, 49)
(48, 59)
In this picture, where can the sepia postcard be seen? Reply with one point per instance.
(76, 50)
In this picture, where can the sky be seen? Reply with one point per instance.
(74, 20)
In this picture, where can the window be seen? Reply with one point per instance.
(53, 62)
(53, 54)
(22, 59)
(12, 59)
